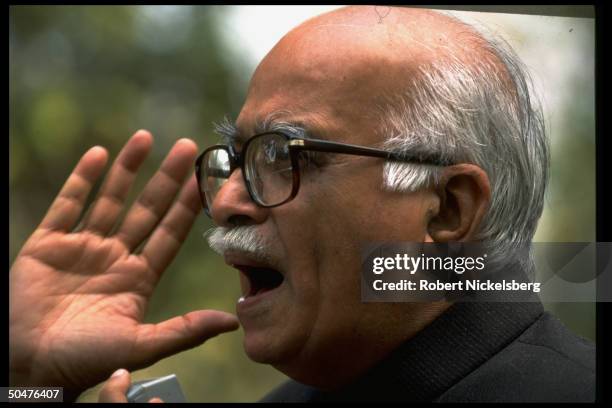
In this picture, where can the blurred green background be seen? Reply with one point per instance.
(92, 75)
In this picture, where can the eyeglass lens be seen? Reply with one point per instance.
(267, 166)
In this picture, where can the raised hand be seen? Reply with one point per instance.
(78, 295)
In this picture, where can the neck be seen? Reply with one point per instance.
(341, 359)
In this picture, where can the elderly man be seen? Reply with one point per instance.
(357, 127)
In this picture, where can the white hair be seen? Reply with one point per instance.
(475, 112)
(246, 239)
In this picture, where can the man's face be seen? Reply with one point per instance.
(316, 315)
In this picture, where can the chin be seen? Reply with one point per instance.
(264, 348)
(285, 356)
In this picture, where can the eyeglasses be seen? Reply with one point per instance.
(270, 164)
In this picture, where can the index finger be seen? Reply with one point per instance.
(68, 205)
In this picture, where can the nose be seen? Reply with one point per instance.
(233, 206)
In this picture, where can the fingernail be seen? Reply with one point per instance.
(186, 141)
(119, 372)
(97, 148)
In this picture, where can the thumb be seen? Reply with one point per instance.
(116, 387)
(156, 341)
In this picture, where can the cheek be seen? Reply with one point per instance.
(336, 222)
(298, 232)
(318, 232)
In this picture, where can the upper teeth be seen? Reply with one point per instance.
(241, 299)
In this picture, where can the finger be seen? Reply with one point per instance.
(68, 205)
(107, 207)
(156, 341)
(156, 400)
(158, 194)
(116, 387)
(168, 237)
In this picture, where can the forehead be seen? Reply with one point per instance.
(338, 71)
(325, 109)
(334, 96)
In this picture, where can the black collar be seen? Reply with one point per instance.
(451, 347)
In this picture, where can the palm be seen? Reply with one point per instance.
(78, 298)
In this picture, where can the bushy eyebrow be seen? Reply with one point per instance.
(286, 127)
(227, 130)
(279, 121)
(229, 133)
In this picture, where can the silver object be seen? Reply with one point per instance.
(167, 388)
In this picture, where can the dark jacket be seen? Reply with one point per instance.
(475, 352)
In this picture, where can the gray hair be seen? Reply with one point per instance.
(477, 113)
(245, 239)
(472, 113)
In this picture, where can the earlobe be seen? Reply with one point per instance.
(465, 195)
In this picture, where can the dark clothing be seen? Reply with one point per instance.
(475, 352)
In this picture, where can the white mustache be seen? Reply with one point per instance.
(244, 239)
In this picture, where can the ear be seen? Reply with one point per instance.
(465, 195)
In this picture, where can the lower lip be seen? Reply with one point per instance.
(251, 301)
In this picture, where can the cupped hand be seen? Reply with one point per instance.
(78, 294)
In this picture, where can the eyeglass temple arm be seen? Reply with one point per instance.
(342, 148)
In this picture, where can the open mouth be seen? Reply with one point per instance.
(260, 279)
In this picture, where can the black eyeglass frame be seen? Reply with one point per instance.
(297, 145)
